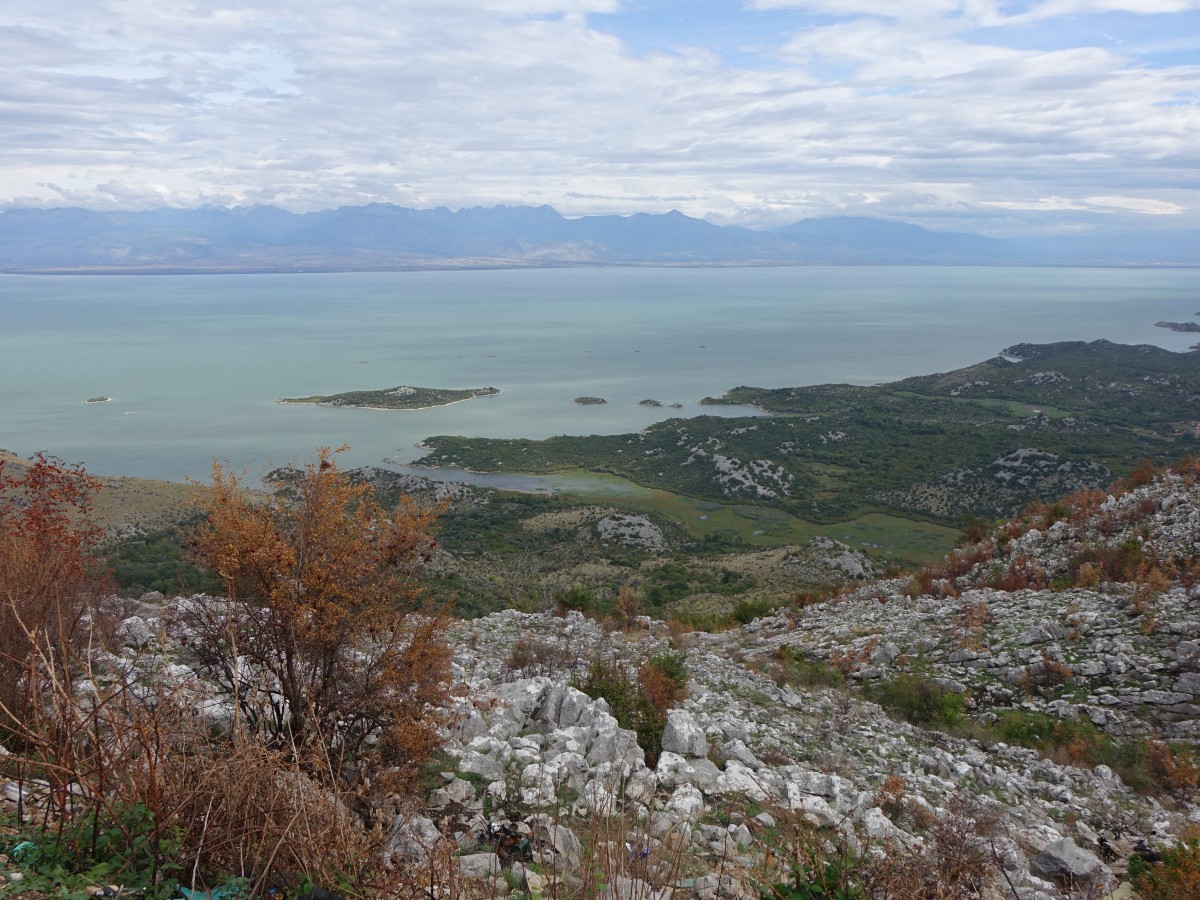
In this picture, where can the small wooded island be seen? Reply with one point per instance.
(1179, 326)
(401, 397)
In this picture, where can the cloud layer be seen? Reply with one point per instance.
(1000, 117)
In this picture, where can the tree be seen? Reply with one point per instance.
(326, 642)
(48, 576)
(628, 607)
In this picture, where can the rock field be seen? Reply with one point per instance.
(540, 787)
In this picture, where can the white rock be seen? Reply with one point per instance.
(687, 802)
(683, 735)
(738, 779)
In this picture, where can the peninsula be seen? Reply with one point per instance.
(401, 397)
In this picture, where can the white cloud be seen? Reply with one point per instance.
(1143, 205)
(979, 12)
(892, 9)
(1043, 204)
(916, 109)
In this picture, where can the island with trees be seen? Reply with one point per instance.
(401, 397)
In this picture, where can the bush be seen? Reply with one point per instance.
(918, 700)
(1178, 875)
(143, 779)
(328, 587)
(532, 656)
(747, 611)
(1147, 766)
(797, 670)
(640, 704)
(49, 577)
(158, 562)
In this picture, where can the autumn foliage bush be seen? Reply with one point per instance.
(328, 640)
(1176, 875)
(49, 578)
(324, 682)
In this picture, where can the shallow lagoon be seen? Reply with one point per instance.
(194, 364)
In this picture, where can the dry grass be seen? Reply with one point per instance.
(145, 503)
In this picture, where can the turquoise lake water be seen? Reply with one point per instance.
(194, 364)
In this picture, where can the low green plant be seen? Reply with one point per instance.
(820, 864)
(158, 562)
(1147, 766)
(640, 704)
(748, 610)
(825, 883)
(797, 670)
(918, 700)
(124, 844)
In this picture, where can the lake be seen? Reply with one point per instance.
(195, 363)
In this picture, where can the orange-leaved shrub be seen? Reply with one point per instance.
(49, 578)
(323, 685)
(328, 614)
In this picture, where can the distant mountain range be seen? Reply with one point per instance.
(381, 236)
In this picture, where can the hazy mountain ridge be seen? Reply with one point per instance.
(383, 236)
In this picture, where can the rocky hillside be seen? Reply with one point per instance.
(745, 759)
(1059, 667)
(1019, 721)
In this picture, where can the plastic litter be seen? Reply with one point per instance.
(24, 852)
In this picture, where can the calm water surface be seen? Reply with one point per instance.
(194, 364)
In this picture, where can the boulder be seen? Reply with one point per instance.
(411, 840)
(737, 750)
(479, 865)
(457, 791)
(562, 706)
(529, 881)
(686, 803)
(561, 840)
(486, 757)
(814, 809)
(683, 735)
(1063, 861)
(135, 632)
(673, 769)
(739, 779)
(881, 829)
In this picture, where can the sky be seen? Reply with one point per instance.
(1001, 117)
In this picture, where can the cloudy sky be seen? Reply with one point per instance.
(995, 116)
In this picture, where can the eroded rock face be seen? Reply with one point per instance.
(634, 531)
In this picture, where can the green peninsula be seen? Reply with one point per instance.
(1037, 420)
(400, 397)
